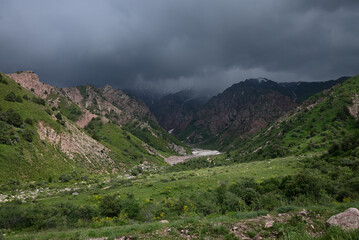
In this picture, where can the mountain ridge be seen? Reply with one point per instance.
(89, 136)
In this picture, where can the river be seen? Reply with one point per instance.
(195, 153)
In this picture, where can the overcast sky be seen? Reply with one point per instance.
(173, 44)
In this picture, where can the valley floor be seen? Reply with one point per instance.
(285, 222)
(172, 160)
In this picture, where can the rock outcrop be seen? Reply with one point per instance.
(78, 145)
(348, 219)
(31, 81)
(107, 101)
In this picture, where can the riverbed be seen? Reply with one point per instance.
(195, 153)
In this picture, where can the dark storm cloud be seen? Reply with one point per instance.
(173, 44)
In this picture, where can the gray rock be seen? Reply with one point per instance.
(346, 220)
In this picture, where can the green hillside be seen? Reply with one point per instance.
(23, 155)
(314, 126)
(125, 147)
(156, 137)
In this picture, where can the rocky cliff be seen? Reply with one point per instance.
(243, 109)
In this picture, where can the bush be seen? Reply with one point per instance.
(25, 97)
(2, 79)
(58, 116)
(39, 101)
(110, 206)
(28, 121)
(206, 203)
(12, 216)
(11, 97)
(13, 118)
(27, 135)
(65, 178)
(304, 183)
(18, 99)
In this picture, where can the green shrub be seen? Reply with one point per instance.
(13, 118)
(304, 183)
(39, 101)
(18, 99)
(28, 121)
(27, 135)
(11, 97)
(12, 216)
(110, 206)
(2, 79)
(58, 116)
(65, 177)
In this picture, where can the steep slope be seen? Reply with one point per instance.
(39, 138)
(84, 103)
(315, 125)
(175, 111)
(36, 144)
(243, 109)
(129, 113)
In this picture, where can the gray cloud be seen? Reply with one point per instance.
(172, 44)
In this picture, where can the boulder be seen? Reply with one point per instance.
(346, 220)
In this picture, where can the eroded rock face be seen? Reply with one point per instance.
(31, 81)
(78, 146)
(243, 109)
(354, 109)
(104, 101)
(346, 220)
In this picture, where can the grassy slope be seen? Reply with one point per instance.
(156, 137)
(311, 130)
(25, 159)
(162, 185)
(40, 159)
(126, 147)
(160, 141)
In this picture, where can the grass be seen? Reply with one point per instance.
(161, 185)
(157, 187)
(126, 148)
(212, 227)
(156, 137)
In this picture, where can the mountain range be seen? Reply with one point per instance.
(242, 109)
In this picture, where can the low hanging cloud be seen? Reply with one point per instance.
(171, 44)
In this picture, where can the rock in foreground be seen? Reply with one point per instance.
(346, 220)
